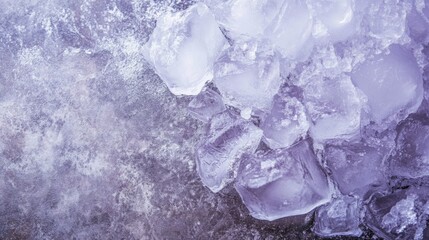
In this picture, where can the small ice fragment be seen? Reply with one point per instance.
(229, 137)
(286, 123)
(411, 159)
(340, 217)
(206, 104)
(282, 183)
(183, 48)
(334, 107)
(393, 84)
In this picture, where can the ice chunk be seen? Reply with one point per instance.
(402, 214)
(334, 107)
(183, 48)
(411, 159)
(356, 167)
(229, 137)
(338, 217)
(386, 19)
(282, 183)
(392, 82)
(246, 83)
(206, 104)
(286, 123)
(292, 28)
(287, 24)
(336, 18)
(235, 16)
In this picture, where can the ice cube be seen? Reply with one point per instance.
(206, 104)
(334, 107)
(235, 16)
(287, 24)
(286, 123)
(393, 84)
(411, 159)
(386, 19)
(336, 16)
(248, 83)
(229, 136)
(338, 217)
(183, 48)
(356, 167)
(291, 29)
(281, 183)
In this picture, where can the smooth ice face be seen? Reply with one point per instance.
(282, 183)
(402, 214)
(411, 159)
(356, 168)
(336, 19)
(334, 107)
(392, 83)
(340, 217)
(246, 83)
(291, 29)
(286, 123)
(229, 137)
(206, 104)
(183, 48)
(235, 16)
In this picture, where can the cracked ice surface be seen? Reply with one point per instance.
(312, 114)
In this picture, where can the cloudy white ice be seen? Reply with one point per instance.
(214, 119)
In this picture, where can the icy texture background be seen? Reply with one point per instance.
(94, 146)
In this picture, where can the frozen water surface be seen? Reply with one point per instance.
(200, 119)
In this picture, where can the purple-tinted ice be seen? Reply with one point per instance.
(356, 167)
(206, 104)
(229, 137)
(183, 48)
(411, 159)
(281, 183)
(392, 83)
(338, 218)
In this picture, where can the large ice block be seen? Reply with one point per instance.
(183, 48)
(282, 183)
(393, 84)
(229, 136)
